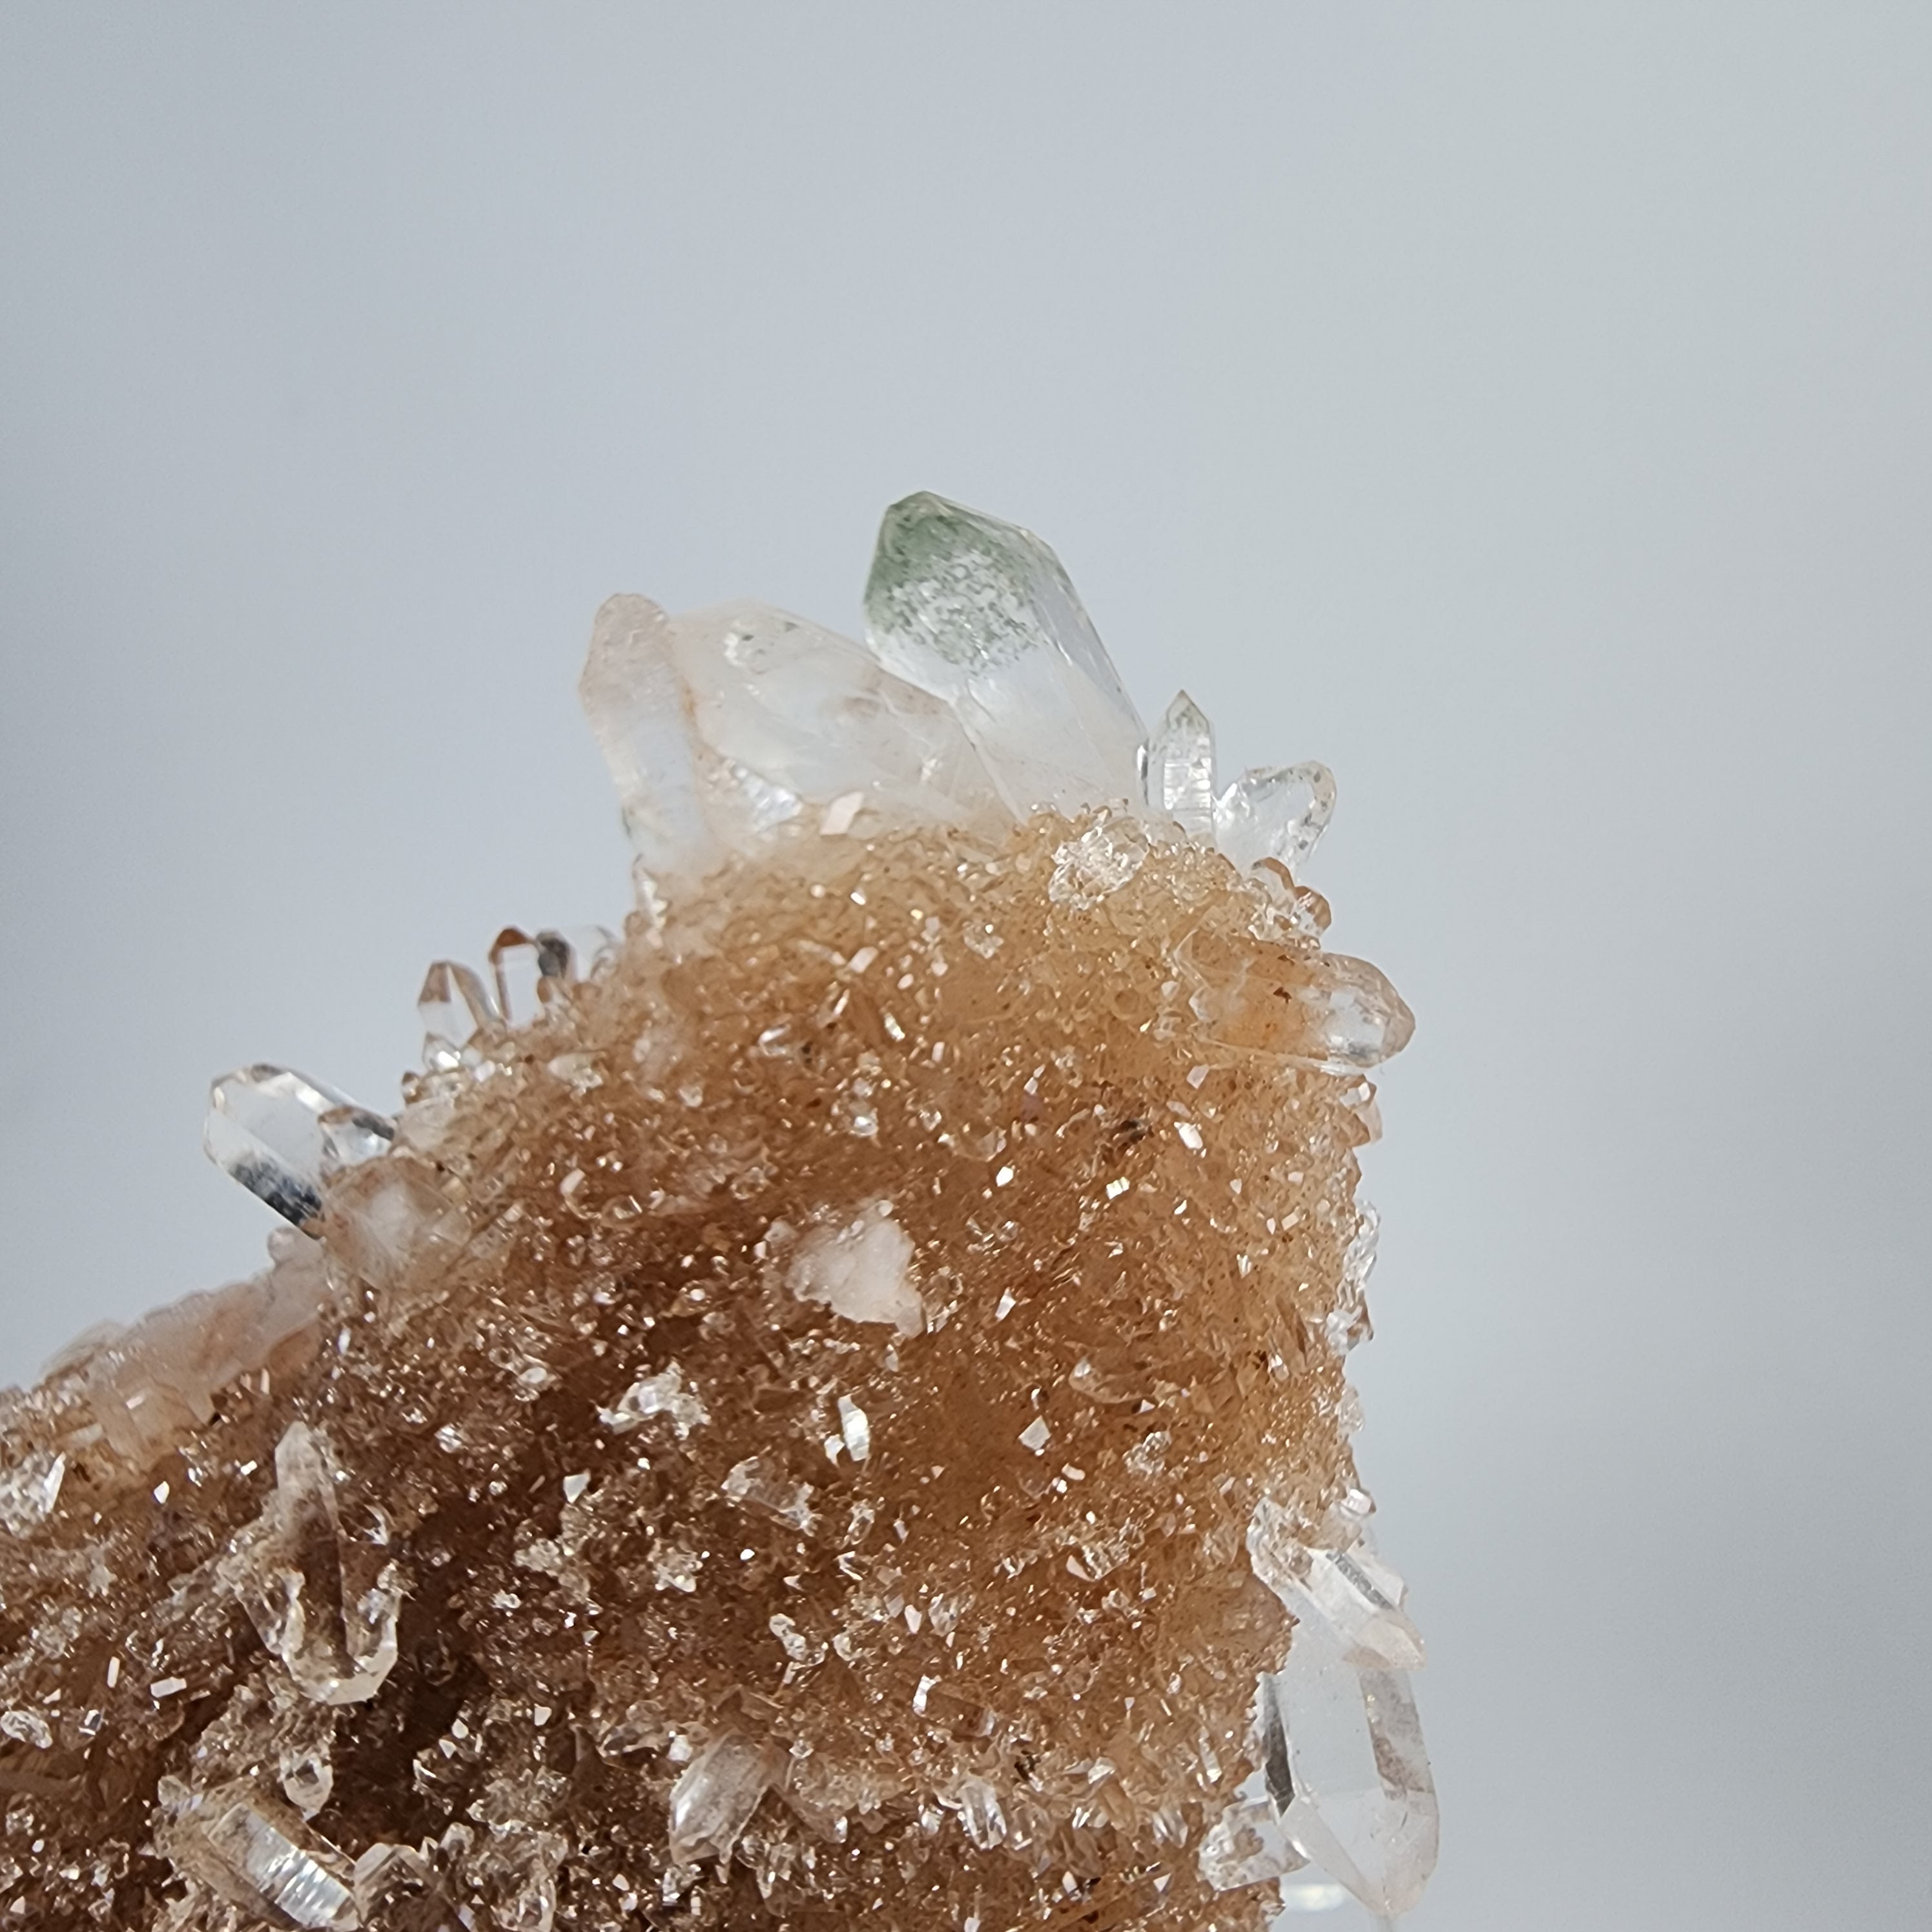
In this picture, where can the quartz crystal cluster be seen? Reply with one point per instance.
(830, 1404)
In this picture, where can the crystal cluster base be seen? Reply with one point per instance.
(830, 1405)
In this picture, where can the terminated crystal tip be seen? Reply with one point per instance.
(981, 614)
(832, 1406)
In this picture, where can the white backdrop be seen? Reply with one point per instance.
(1524, 408)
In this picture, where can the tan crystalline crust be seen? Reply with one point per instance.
(779, 1437)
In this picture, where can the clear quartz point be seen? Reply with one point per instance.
(1177, 768)
(246, 1850)
(717, 1791)
(1277, 812)
(729, 727)
(981, 613)
(1347, 1323)
(1357, 1018)
(455, 1005)
(639, 713)
(575, 952)
(814, 718)
(1357, 1595)
(279, 1133)
(29, 1490)
(398, 1889)
(1346, 1769)
(1245, 1846)
(522, 968)
(296, 1576)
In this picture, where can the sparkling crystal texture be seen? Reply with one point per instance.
(830, 1405)
(1177, 768)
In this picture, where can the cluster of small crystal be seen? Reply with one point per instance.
(833, 1404)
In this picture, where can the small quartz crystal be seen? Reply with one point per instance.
(828, 1407)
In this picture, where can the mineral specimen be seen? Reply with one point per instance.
(831, 1404)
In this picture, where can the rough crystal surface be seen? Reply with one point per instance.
(830, 1405)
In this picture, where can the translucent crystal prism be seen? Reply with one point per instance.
(397, 1890)
(1356, 1018)
(527, 972)
(1309, 1890)
(247, 1851)
(291, 1571)
(725, 726)
(638, 710)
(663, 1394)
(1347, 1771)
(1278, 812)
(453, 1005)
(1177, 768)
(1358, 1595)
(1346, 1325)
(280, 1133)
(815, 716)
(981, 613)
(29, 1490)
(717, 1791)
(1246, 1845)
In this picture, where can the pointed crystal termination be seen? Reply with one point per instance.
(638, 711)
(1348, 1772)
(1177, 768)
(280, 1134)
(1358, 1595)
(1245, 1846)
(247, 1849)
(29, 1490)
(715, 1794)
(730, 727)
(1278, 812)
(981, 613)
(639, 1254)
(454, 1005)
(291, 1570)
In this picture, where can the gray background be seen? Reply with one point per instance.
(1524, 408)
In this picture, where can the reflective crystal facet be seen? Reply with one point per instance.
(1177, 768)
(453, 1005)
(1245, 1846)
(981, 613)
(279, 1133)
(1358, 1595)
(1279, 812)
(397, 1890)
(29, 1490)
(1347, 1770)
(1347, 1324)
(715, 1794)
(295, 1574)
(772, 723)
(1355, 1018)
(242, 1847)
(663, 1394)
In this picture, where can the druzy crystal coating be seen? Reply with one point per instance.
(831, 1403)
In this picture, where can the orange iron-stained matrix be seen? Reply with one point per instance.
(830, 1408)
